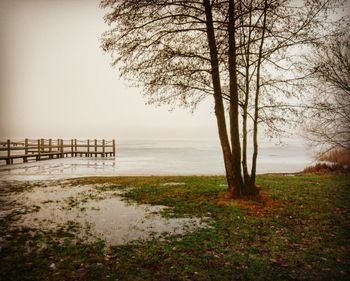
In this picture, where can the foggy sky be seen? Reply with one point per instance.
(56, 81)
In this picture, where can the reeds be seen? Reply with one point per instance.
(324, 167)
(336, 159)
(336, 155)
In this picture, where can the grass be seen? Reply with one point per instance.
(299, 231)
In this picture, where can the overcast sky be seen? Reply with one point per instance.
(56, 81)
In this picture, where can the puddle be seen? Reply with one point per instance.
(104, 214)
(173, 183)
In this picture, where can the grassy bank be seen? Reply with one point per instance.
(300, 230)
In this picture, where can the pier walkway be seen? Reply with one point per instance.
(40, 149)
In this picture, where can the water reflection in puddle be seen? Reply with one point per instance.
(103, 213)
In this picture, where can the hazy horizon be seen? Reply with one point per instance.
(57, 82)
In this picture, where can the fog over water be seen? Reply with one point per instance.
(55, 82)
(159, 157)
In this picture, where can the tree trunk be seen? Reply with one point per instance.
(256, 105)
(247, 41)
(218, 100)
(234, 107)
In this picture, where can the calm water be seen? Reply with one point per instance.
(97, 213)
(161, 157)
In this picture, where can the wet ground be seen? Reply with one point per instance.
(95, 211)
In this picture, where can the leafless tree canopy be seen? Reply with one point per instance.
(241, 52)
(329, 124)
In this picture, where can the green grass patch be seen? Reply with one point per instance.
(300, 231)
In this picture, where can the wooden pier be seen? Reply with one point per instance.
(39, 149)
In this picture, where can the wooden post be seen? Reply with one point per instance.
(39, 148)
(113, 147)
(50, 148)
(25, 159)
(61, 148)
(71, 147)
(8, 160)
(88, 148)
(75, 148)
(103, 148)
(42, 145)
(95, 147)
(26, 146)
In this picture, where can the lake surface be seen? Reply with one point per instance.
(162, 157)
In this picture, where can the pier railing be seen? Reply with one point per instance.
(39, 149)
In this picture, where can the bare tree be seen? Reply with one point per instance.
(181, 51)
(329, 121)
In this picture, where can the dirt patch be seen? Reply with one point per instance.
(258, 205)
